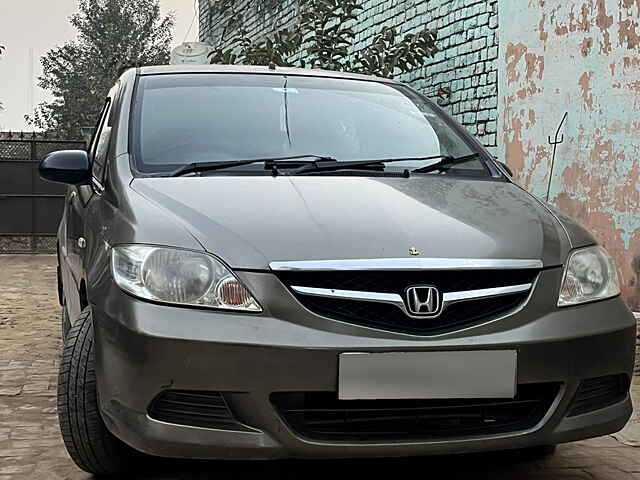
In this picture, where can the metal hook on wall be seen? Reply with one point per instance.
(555, 142)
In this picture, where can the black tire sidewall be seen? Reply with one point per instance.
(88, 441)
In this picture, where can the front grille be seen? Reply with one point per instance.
(398, 281)
(321, 416)
(596, 393)
(389, 317)
(194, 408)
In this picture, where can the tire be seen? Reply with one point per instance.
(91, 446)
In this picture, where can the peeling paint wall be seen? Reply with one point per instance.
(580, 57)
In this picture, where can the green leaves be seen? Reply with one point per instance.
(276, 49)
(112, 36)
(326, 26)
(323, 37)
(387, 56)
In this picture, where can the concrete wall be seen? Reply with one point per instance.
(582, 57)
(467, 34)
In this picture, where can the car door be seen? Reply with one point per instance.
(78, 199)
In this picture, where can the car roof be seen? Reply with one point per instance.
(256, 69)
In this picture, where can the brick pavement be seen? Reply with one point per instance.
(31, 447)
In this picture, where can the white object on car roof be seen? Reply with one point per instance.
(196, 53)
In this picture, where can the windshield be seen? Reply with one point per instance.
(187, 118)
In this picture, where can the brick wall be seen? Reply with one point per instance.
(467, 63)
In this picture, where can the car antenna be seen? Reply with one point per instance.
(272, 66)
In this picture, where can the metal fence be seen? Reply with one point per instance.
(30, 208)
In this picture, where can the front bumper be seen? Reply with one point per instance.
(143, 349)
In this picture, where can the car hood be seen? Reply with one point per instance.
(251, 221)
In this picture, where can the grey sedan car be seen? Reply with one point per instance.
(266, 263)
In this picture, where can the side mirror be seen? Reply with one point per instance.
(66, 166)
(506, 168)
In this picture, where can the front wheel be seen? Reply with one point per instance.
(91, 446)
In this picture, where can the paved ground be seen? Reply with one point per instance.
(31, 447)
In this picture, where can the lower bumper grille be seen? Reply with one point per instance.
(596, 393)
(193, 408)
(321, 416)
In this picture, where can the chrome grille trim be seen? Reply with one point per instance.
(395, 299)
(452, 297)
(407, 264)
(350, 294)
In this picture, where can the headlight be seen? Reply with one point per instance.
(179, 276)
(590, 274)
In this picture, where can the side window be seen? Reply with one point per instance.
(94, 137)
(100, 144)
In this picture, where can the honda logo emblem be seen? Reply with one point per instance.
(423, 301)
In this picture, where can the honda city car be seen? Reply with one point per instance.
(262, 263)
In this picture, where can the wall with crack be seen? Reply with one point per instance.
(580, 57)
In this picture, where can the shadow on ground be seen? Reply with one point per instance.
(493, 465)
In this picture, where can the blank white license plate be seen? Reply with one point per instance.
(412, 375)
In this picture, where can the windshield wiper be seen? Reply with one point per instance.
(334, 165)
(444, 162)
(273, 163)
(322, 163)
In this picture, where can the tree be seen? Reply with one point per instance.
(322, 37)
(112, 35)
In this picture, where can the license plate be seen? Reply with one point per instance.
(423, 375)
